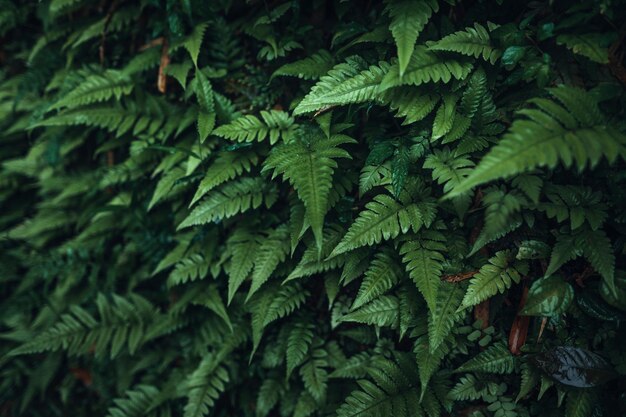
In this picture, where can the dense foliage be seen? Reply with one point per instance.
(311, 208)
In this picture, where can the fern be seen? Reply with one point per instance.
(574, 133)
(408, 18)
(344, 84)
(495, 359)
(577, 204)
(309, 167)
(227, 166)
(276, 124)
(230, 199)
(271, 252)
(315, 376)
(124, 323)
(424, 67)
(424, 258)
(205, 385)
(496, 276)
(193, 43)
(96, 88)
(141, 399)
(194, 267)
(445, 314)
(411, 103)
(382, 274)
(298, 345)
(385, 218)
(593, 245)
(309, 68)
(393, 392)
(472, 41)
(382, 311)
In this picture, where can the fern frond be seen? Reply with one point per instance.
(123, 323)
(272, 251)
(309, 166)
(227, 166)
(471, 41)
(298, 344)
(496, 276)
(594, 245)
(382, 311)
(194, 267)
(385, 218)
(423, 256)
(315, 376)
(495, 359)
(230, 199)
(445, 315)
(205, 385)
(312, 262)
(575, 133)
(408, 18)
(425, 66)
(242, 246)
(309, 68)
(344, 84)
(275, 124)
(271, 303)
(139, 400)
(393, 392)
(155, 117)
(194, 41)
(578, 204)
(382, 274)
(96, 88)
(411, 103)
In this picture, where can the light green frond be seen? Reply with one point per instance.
(494, 277)
(310, 68)
(308, 164)
(423, 256)
(344, 84)
(426, 66)
(408, 18)
(471, 41)
(383, 273)
(96, 88)
(275, 124)
(573, 132)
(496, 359)
(385, 218)
(227, 166)
(230, 199)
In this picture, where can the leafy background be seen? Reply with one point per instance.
(305, 208)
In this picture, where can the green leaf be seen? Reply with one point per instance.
(344, 84)
(408, 18)
(193, 43)
(496, 359)
(444, 116)
(494, 277)
(424, 259)
(309, 167)
(548, 296)
(385, 218)
(298, 344)
(588, 45)
(574, 367)
(382, 274)
(445, 315)
(574, 133)
(472, 41)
